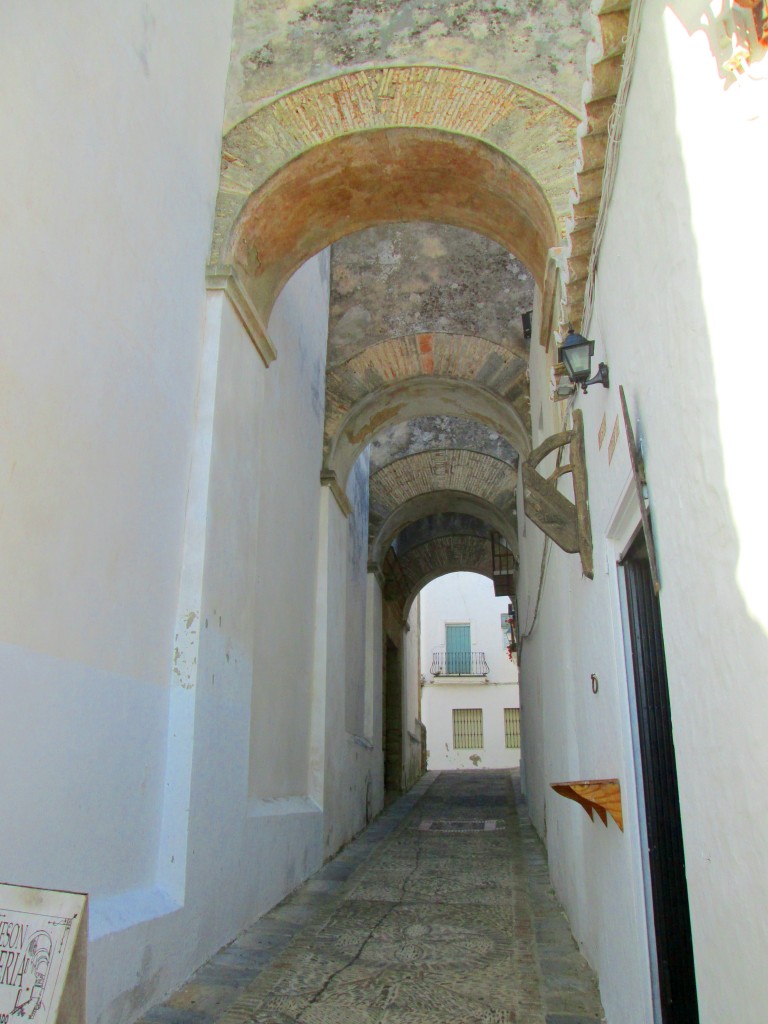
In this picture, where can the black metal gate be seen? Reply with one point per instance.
(666, 858)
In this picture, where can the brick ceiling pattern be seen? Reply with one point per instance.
(459, 470)
(442, 555)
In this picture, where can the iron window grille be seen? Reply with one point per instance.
(467, 728)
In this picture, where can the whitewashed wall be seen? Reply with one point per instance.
(438, 700)
(288, 537)
(221, 778)
(109, 151)
(679, 318)
(348, 680)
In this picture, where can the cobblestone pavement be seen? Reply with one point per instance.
(441, 911)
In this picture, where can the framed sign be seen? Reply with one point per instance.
(43, 943)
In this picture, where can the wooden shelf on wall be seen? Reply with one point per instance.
(601, 795)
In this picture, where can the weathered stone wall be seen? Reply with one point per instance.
(541, 45)
(397, 280)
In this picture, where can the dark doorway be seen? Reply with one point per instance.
(392, 724)
(666, 858)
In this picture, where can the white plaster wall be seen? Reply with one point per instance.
(679, 318)
(166, 891)
(438, 701)
(347, 765)
(86, 752)
(291, 459)
(109, 152)
(206, 889)
(570, 733)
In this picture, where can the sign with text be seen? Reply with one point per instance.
(43, 937)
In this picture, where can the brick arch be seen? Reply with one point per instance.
(442, 556)
(423, 506)
(356, 181)
(391, 144)
(499, 368)
(422, 396)
(456, 469)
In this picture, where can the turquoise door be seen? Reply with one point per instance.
(458, 650)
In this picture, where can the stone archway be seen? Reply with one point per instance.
(432, 503)
(477, 360)
(384, 176)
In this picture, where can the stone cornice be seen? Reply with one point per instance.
(227, 280)
(329, 479)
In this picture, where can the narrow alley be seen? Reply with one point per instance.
(440, 911)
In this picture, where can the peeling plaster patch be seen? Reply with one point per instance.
(352, 325)
(375, 422)
(261, 57)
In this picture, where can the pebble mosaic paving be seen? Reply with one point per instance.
(441, 911)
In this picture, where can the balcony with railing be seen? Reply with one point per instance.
(459, 663)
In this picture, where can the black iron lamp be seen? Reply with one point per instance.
(576, 355)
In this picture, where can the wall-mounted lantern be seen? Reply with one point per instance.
(576, 355)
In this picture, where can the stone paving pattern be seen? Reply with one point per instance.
(454, 922)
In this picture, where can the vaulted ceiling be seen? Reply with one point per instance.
(451, 155)
(419, 302)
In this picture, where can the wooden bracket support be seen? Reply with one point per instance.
(595, 795)
(565, 522)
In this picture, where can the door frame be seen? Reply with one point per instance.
(624, 525)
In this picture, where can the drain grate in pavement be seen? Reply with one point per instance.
(461, 825)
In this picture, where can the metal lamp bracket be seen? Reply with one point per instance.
(565, 522)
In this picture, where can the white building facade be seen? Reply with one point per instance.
(470, 697)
